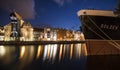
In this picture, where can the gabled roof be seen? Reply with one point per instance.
(14, 13)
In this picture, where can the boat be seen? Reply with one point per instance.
(101, 29)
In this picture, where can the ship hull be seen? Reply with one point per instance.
(103, 47)
(99, 27)
(101, 30)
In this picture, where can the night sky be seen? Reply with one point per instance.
(51, 13)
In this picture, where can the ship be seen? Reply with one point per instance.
(101, 29)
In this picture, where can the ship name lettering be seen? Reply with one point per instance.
(111, 27)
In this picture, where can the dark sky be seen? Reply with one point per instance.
(51, 13)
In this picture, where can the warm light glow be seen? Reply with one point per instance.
(54, 51)
(2, 50)
(51, 51)
(54, 38)
(64, 49)
(71, 51)
(84, 49)
(48, 51)
(60, 53)
(82, 36)
(39, 51)
(31, 52)
(78, 50)
(22, 52)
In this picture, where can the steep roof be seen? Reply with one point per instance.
(14, 13)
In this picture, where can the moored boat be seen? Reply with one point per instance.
(101, 30)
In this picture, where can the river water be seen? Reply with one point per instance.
(54, 57)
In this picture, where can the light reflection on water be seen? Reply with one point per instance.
(24, 55)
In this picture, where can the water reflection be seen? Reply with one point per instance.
(7, 54)
(2, 51)
(20, 56)
(50, 52)
(39, 52)
(22, 51)
(103, 62)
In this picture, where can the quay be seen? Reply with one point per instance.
(39, 42)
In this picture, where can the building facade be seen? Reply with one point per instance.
(18, 29)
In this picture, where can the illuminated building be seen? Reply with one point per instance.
(50, 34)
(69, 34)
(17, 29)
(61, 34)
(64, 34)
(77, 35)
(1, 33)
(38, 33)
(45, 34)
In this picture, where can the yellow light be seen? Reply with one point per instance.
(22, 52)
(64, 49)
(71, 51)
(31, 52)
(2, 50)
(79, 50)
(48, 51)
(85, 49)
(60, 53)
(39, 51)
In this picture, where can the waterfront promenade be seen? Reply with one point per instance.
(39, 42)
